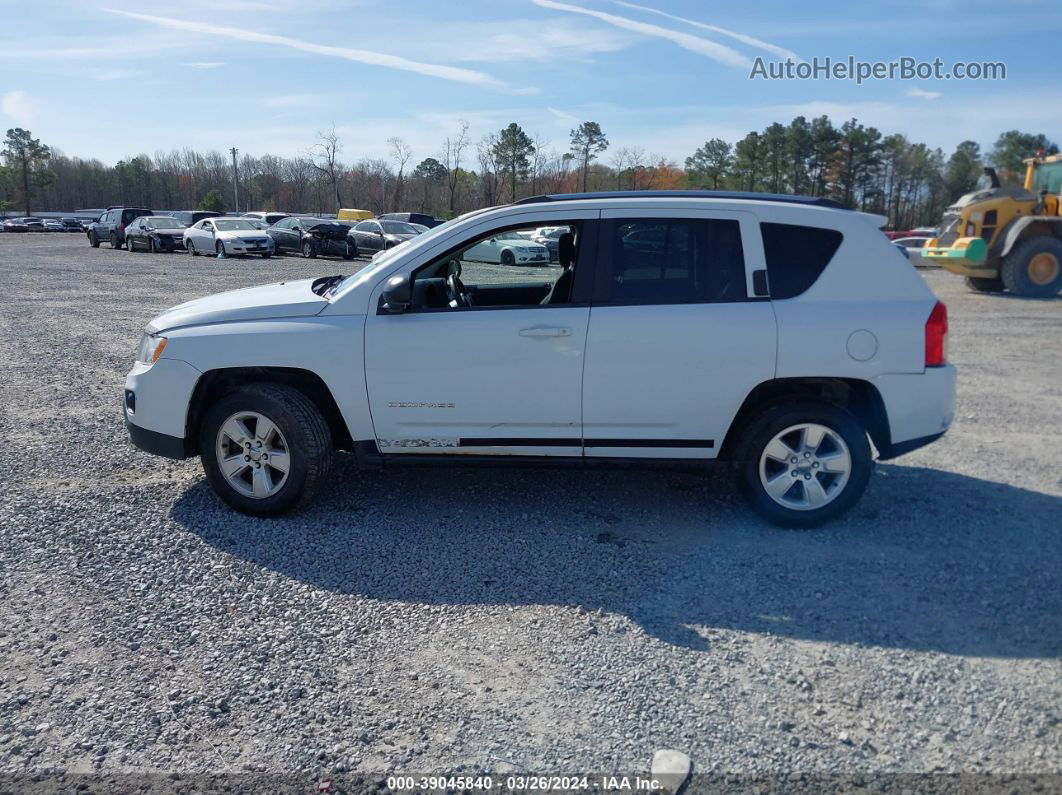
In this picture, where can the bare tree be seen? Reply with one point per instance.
(486, 152)
(326, 151)
(538, 160)
(400, 153)
(452, 152)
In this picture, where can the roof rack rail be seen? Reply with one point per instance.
(812, 201)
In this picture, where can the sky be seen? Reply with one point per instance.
(110, 79)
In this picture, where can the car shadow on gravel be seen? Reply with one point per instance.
(928, 561)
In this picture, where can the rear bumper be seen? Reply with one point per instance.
(920, 408)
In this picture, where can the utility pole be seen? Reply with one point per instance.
(235, 181)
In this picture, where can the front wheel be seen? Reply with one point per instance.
(151, 246)
(129, 244)
(1034, 268)
(308, 249)
(190, 248)
(351, 251)
(219, 249)
(265, 448)
(93, 240)
(508, 258)
(803, 464)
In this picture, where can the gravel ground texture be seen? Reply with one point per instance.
(425, 621)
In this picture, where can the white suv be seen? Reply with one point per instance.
(780, 334)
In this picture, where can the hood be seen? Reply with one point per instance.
(174, 232)
(330, 231)
(242, 234)
(283, 299)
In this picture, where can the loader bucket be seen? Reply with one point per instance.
(965, 250)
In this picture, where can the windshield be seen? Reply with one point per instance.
(235, 225)
(397, 228)
(163, 223)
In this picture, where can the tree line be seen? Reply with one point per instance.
(856, 165)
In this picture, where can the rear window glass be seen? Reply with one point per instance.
(796, 256)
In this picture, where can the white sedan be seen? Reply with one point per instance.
(508, 248)
(224, 236)
(913, 246)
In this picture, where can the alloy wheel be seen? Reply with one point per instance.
(253, 454)
(805, 466)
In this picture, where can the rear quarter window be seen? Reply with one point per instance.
(796, 256)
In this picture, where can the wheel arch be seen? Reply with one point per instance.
(215, 383)
(859, 397)
(1021, 229)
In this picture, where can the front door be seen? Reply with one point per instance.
(493, 370)
(677, 338)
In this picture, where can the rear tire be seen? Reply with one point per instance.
(307, 445)
(1033, 269)
(979, 285)
(842, 454)
(114, 240)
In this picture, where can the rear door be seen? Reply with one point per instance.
(677, 338)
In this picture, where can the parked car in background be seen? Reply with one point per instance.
(781, 335)
(71, 224)
(189, 217)
(224, 236)
(111, 225)
(912, 246)
(155, 233)
(429, 221)
(375, 235)
(549, 236)
(53, 225)
(508, 248)
(312, 237)
(25, 224)
(268, 217)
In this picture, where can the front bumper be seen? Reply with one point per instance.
(234, 247)
(156, 406)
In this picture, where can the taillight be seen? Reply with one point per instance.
(937, 336)
(121, 227)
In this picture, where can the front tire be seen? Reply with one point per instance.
(351, 251)
(803, 464)
(190, 248)
(151, 246)
(1034, 268)
(508, 258)
(93, 240)
(129, 244)
(308, 249)
(979, 285)
(265, 448)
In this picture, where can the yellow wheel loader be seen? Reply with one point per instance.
(1006, 237)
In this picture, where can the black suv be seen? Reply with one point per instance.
(189, 217)
(111, 225)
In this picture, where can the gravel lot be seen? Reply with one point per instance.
(426, 621)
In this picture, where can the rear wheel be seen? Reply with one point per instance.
(265, 448)
(800, 465)
(308, 249)
(1034, 268)
(114, 240)
(980, 285)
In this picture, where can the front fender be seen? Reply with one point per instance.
(1014, 231)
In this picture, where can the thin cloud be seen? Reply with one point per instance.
(718, 52)
(453, 73)
(921, 93)
(205, 64)
(781, 52)
(19, 105)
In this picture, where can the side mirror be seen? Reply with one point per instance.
(397, 294)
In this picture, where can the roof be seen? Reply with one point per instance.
(688, 194)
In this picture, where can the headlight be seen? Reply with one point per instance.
(151, 348)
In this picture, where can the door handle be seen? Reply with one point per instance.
(545, 331)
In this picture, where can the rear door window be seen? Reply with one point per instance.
(796, 256)
(674, 260)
